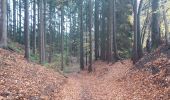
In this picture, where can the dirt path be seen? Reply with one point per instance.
(105, 83)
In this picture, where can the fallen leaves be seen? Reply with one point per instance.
(22, 80)
(148, 80)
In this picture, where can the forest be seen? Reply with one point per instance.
(84, 50)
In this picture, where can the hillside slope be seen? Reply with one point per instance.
(150, 77)
(20, 79)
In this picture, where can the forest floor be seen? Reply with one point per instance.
(149, 79)
(102, 84)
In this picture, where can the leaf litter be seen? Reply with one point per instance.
(149, 79)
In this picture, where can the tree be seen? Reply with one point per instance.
(114, 32)
(20, 21)
(3, 24)
(135, 52)
(41, 32)
(90, 35)
(155, 24)
(62, 37)
(97, 29)
(26, 31)
(14, 20)
(110, 36)
(103, 32)
(139, 42)
(81, 35)
(34, 27)
(166, 26)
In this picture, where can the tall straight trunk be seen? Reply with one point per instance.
(41, 30)
(86, 32)
(110, 36)
(44, 29)
(81, 35)
(96, 29)
(166, 26)
(14, 20)
(3, 24)
(107, 45)
(114, 31)
(51, 34)
(26, 31)
(90, 35)
(155, 24)
(135, 54)
(62, 38)
(17, 18)
(34, 27)
(139, 42)
(8, 19)
(103, 32)
(7, 11)
(20, 30)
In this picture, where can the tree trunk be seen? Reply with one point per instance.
(41, 30)
(3, 24)
(166, 26)
(81, 36)
(103, 32)
(34, 27)
(135, 53)
(90, 36)
(26, 31)
(62, 38)
(155, 24)
(139, 42)
(114, 32)
(96, 29)
(110, 36)
(20, 28)
(14, 20)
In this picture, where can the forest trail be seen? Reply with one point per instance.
(102, 84)
(23, 80)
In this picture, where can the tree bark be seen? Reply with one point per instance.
(62, 38)
(139, 42)
(3, 24)
(134, 52)
(34, 27)
(96, 29)
(20, 28)
(166, 26)
(41, 32)
(14, 20)
(110, 36)
(26, 31)
(155, 24)
(81, 35)
(103, 32)
(90, 36)
(114, 32)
